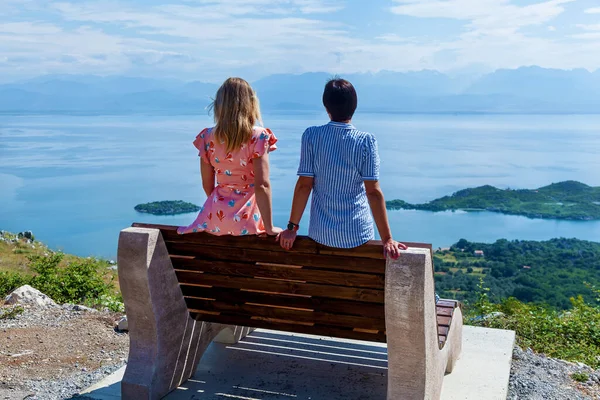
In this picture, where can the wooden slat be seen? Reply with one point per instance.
(310, 289)
(445, 312)
(166, 228)
(251, 310)
(265, 256)
(372, 249)
(281, 272)
(446, 303)
(301, 245)
(290, 327)
(328, 305)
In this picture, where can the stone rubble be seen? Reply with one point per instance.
(537, 377)
(51, 353)
(29, 296)
(8, 237)
(123, 325)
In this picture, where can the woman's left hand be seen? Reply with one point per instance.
(274, 231)
(392, 248)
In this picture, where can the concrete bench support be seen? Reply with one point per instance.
(416, 364)
(166, 344)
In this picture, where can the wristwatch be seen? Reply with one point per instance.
(292, 226)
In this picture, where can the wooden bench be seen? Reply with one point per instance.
(183, 291)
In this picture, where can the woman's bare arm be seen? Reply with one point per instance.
(262, 189)
(208, 177)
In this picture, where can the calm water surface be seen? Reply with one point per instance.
(74, 180)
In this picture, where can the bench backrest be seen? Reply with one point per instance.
(251, 281)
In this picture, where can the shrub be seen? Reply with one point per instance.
(572, 335)
(9, 281)
(82, 281)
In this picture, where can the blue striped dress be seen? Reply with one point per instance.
(340, 158)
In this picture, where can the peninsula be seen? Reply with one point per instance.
(171, 207)
(569, 200)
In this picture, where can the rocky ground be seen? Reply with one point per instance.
(536, 377)
(53, 352)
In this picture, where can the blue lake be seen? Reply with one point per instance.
(74, 180)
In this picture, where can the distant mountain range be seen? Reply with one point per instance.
(522, 90)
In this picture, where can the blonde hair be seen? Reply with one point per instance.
(236, 111)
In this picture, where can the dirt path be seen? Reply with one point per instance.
(54, 353)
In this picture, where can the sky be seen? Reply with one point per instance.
(207, 39)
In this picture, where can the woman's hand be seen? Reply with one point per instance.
(392, 248)
(273, 231)
(286, 239)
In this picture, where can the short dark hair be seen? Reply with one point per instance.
(340, 100)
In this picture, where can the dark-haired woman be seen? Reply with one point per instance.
(340, 166)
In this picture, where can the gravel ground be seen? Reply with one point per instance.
(535, 376)
(54, 353)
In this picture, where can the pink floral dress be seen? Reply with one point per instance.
(231, 208)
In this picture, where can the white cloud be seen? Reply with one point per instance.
(498, 32)
(207, 39)
(595, 10)
(263, 36)
(394, 38)
(318, 6)
(587, 36)
(585, 27)
(485, 16)
(29, 28)
(592, 32)
(202, 40)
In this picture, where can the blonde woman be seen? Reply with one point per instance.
(234, 164)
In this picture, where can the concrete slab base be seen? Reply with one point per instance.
(269, 365)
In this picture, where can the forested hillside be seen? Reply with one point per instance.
(549, 272)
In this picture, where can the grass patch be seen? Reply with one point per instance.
(11, 312)
(446, 256)
(580, 377)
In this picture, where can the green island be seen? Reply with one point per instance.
(568, 200)
(170, 207)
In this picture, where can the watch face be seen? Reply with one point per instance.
(290, 227)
